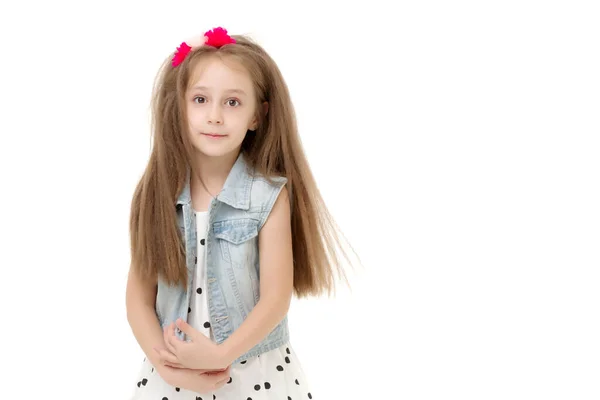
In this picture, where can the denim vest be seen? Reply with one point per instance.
(232, 259)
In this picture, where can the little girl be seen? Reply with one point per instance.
(226, 225)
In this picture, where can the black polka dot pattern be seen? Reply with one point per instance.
(271, 386)
(279, 380)
(143, 382)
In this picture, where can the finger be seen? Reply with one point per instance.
(170, 344)
(170, 339)
(219, 372)
(217, 384)
(177, 365)
(209, 372)
(219, 375)
(166, 337)
(222, 382)
(187, 329)
(176, 345)
(166, 356)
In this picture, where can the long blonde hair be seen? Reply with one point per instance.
(274, 148)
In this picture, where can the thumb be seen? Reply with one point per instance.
(186, 328)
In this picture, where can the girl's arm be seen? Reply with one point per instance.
(141, 315)
(276, 282)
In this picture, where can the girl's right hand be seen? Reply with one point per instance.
(194, 380)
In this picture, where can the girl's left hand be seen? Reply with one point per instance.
(199, 353)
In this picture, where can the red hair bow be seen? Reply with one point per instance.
(216, 37)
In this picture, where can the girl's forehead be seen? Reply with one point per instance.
(219, 71)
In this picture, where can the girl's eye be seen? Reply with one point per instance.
(231, 102)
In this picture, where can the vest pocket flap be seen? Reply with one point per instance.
(236, 231)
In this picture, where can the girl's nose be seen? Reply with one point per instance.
(215, 116)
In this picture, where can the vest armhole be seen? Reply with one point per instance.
(269, 206)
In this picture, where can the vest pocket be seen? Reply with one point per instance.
(238, 240)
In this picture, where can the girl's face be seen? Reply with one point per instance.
(221, 107)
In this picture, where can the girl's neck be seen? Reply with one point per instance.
(213, 171)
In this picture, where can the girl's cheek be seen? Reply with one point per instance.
(194, 118)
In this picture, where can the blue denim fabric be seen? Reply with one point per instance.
(231, 246)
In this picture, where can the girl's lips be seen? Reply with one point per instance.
(213, 136)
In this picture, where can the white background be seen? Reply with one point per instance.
(456, 143)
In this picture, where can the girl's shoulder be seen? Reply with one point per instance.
(271, 182)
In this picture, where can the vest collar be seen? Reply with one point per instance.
(236, 190)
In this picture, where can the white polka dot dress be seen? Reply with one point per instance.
(276, 374)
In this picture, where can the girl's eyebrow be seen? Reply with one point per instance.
(240, 91)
